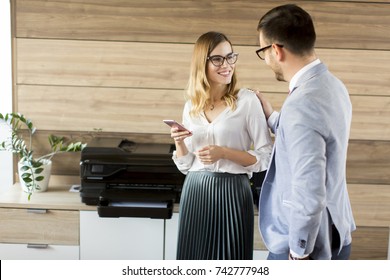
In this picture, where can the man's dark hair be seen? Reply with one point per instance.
(290, 26)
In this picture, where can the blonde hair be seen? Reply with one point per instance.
(198, 89)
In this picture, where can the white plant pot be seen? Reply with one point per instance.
(42, 185)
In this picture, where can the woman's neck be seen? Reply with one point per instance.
(217, 94)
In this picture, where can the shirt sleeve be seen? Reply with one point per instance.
(259, 132)
(184, 163)
(306, 150)
(272, 121)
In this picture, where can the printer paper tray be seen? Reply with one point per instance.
(116, 212)
(127, 204)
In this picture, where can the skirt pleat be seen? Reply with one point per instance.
(216, 217)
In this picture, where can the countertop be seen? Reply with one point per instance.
(57, 196)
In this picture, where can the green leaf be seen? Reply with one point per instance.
(38, 170)
(25, 175)
(27, 180)
(39, 178)
(25, 168)
(37, 164)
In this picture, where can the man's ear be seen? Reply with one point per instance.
(279, 52)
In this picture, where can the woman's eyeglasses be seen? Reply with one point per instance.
(219, 60)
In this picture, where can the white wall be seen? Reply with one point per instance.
(6, 171)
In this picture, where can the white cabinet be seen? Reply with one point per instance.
(120, 238)
(38, 252)
(171, 232)
(39, 234)
(260, 254)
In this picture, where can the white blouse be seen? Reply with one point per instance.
(243, 129)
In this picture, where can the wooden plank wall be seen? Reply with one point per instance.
(122, 66)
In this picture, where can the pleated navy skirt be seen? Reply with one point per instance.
(216, 217)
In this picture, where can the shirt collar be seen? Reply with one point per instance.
(302, 71)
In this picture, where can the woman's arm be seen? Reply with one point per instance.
(212, 153)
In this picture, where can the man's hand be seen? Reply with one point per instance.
(267, 107)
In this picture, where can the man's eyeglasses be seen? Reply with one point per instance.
(261, 52)
(219, 60)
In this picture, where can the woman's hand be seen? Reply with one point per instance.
(210, 154)
(179, 135)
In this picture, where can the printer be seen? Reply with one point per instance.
(128, 179)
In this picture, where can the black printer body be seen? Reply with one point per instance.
(128, 179)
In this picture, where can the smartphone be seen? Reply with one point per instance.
(173, 123)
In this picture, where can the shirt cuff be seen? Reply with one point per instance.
(272, 119)
(295, 255)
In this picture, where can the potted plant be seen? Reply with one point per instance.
(34, 173)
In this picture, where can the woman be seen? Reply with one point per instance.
(216, 207)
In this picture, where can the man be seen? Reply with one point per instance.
(305, 212)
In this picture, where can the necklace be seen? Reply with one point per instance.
(215, 104)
